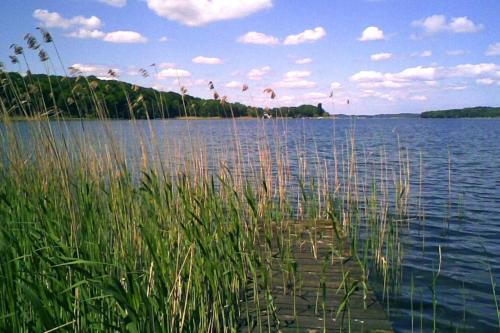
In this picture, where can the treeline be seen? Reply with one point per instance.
(90, 97)
(475, 112)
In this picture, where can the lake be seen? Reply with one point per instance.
(454, 198)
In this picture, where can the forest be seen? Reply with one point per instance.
(90, 97)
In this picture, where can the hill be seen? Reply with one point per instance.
(91, 97)
(475, 112)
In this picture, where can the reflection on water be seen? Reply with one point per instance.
(455, 192)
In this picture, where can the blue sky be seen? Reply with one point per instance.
(385, 56)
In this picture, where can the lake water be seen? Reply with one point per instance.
(460, 195)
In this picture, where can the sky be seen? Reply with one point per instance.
(384, 56)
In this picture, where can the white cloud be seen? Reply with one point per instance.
(106, 78)
(84, 34)
(258, 73)
(463, 24)
(474, 70)
(380, 56)
(253, 37)
(367, 76)
(431, 24)
(93, 69)
(419, 98)
(55, 20)
(190, 82)
(200, 12)
(335, 85)
(418, 73)
(493, 50)
(303, 61)
(112, 37)
(439, 23)
(309, 35)
(293, 75)
(413, 75)
(86, 27)
(173, 72)
(296, 79)
(371, 33)
(422, 78)
(124, 37)
(162, 39)
(114, 3)
(233, 84)
(485, 82)
(207, 60)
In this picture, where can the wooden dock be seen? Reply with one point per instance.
(308, 288)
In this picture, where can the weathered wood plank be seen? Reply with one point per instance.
(306, 288)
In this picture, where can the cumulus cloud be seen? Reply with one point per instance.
(303, 61)
(253, 37)
(367, 76)
(162, 39)
(233, 84)
(493, 50)
(172, 72)
(93, 69)
(293, 75)
(474, 70)
(201, 12)
(439, 23)
(55, 20)
(371, 33)
(421, 77)
(335, 85)
(114, 3)
(307, 36)
(258, 73)
(373, 79)
(207, 60)
(296, 79)
(418, 73)
(86, 27)
(85, 34)
(380, 56)
(124, 37)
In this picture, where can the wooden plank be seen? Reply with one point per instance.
(306, 288)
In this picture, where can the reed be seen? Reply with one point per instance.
(95, 240)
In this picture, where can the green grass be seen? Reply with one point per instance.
(88, 244)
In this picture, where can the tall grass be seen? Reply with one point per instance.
(91, 242)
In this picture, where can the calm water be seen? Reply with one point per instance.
(464, 222)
